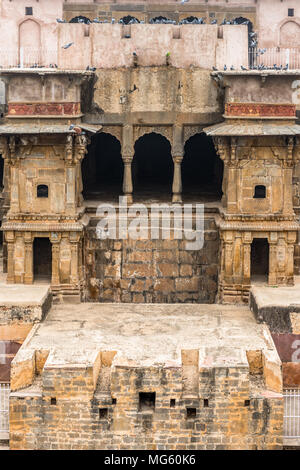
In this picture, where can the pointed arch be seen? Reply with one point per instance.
(29, 42)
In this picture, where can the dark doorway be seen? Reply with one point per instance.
(102, 168)
(152, 166)
(42, 259)
(202, 169)
(260, 259)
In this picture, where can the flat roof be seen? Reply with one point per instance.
(243, 128)
(46, 128)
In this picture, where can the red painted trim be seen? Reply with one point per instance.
(260, 110)
(43, 109)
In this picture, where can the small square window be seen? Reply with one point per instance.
(53, 401)
(205, 403)
(191, 413)
(103, 413)
(172, 403)
(42, 190)
(114, 401)
(259, 192)
(28, 11)
(291, 12)
(247, 403)
(147, 401)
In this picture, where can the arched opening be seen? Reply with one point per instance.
(241, 20)
(42, 259)
(80, 19)
(102, 168)
(260, 259)
(192, 20)
(29, 43)
(152, 166)
(290, 34)
(42, 190)
(202, 169)
(259, 192)
(128, 20)
(159, 19)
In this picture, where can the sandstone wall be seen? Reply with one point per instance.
(151, 270)
(64, 412)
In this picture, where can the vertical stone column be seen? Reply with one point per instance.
(14, 187)
(127, 178)
(80, 149)
(70, 189)
(228, 261)
(177, 154)
(272, 264)
(74, 263)
(247, 263)
(177, 181)
(55, 263)
(28, 276)
(288, 190)
(290, 264)
(10, 261)
(127, 157)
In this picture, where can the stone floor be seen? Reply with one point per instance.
(266, 296)
(146, 334)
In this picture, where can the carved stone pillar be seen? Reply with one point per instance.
(55, 263)
(272, 264)
(10, 263)
(127, 178)
(228, 262)
(80, 150)
(247, 263)
(70, 189)
(127, 157)
(28, 276)
(177, 181)
(290, 264)
(74, 263)
(177, 155)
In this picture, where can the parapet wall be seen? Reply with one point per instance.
(176, 406)
(112, 45)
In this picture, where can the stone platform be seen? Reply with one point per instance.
(151, 376)
(21, 303)
(147, 335)
(279, 307)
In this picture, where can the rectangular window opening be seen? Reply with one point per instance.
(28, 11)
(291, 12)
(191, 413)
(205, 403)
(172, 403)
(147, 401)
(103, 413)
(53, 401)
